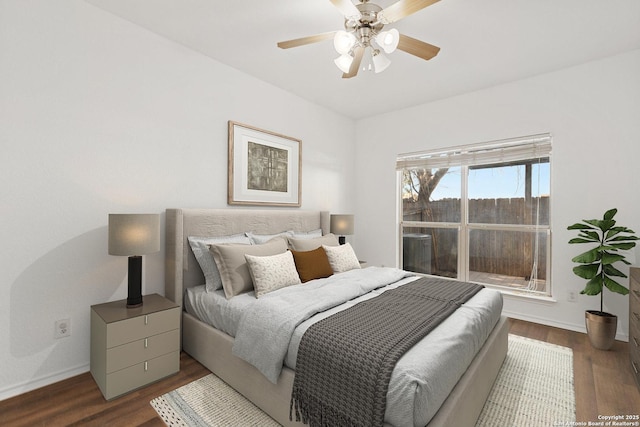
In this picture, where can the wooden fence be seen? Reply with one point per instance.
(490, 251)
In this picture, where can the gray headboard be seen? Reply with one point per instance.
(182, 269)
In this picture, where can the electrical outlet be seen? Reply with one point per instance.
(63, 328)
(572, 296)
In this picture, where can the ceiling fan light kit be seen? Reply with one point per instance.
(363, 31)
(343, 42)
(380, 61)
(344, 62)
(388, 40)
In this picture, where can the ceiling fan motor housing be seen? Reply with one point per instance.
(367, 26)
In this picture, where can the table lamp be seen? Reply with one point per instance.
(134, 235)
(341, 225)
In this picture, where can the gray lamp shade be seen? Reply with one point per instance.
(342, 225)
(134, 234)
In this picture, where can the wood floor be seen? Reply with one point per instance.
(603, 386)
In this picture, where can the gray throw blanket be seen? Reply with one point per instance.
(345, 361)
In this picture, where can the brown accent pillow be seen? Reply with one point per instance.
(312, 264)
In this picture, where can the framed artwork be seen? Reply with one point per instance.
(264, 167)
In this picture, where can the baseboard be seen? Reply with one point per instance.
(46, 380)
(562, 325)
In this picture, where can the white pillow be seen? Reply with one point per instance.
(307, 234)
(200, 248)
(304, 245)
(272, 272)
(259, 239)
(341, 258)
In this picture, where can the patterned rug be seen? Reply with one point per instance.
(534, 388)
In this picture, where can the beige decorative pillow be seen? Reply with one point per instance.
(304, 245)
(232, 264)
(341, 258)
(272, 272)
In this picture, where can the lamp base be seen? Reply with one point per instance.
(133, 305)
(134, 296)
(342, 240)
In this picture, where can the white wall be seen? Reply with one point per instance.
(593, 113)
(99, 116)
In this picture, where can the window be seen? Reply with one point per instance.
(479, 213)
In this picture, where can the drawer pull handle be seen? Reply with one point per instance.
(635, 368)
(146, 320)
(635, 341)
(146, 343)
(146, 366)
(637, 316)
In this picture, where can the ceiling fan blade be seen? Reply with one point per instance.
(347, 8)
(355, 64)
(306, 40)
(401, 9)
(418, 48)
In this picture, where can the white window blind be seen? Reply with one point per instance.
(503, 151)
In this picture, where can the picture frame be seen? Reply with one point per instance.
(264, 167)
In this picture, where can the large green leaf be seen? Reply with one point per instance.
(588, 271)
(624, 238)
(587, 257)
(612, 232)
(609, 258)
(593, 287)
(610, 270)
(590, 235)
(606, 224)
(614, 286)
(582, 240)
(623, 246)
(610, 214)
(579, 226)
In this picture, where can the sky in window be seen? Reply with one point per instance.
(493, 183)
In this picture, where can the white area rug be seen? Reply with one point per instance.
(534, 388)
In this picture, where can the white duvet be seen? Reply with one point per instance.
(268, 331)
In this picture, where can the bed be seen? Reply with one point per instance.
(213, 347)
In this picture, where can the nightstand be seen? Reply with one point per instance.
(132, 347)
(634, 322)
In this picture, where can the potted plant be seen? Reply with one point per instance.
(597, 266)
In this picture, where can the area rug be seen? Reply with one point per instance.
(534, 388)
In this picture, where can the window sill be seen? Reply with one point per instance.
(525, 296)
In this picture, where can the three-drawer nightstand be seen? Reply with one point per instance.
(634, 322)
(132, 347)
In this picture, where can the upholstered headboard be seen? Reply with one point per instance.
(182, 269)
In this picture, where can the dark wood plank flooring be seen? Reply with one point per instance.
(603, 386)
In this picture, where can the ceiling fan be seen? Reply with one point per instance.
(364, 25)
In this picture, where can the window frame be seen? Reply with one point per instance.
(464, 227)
